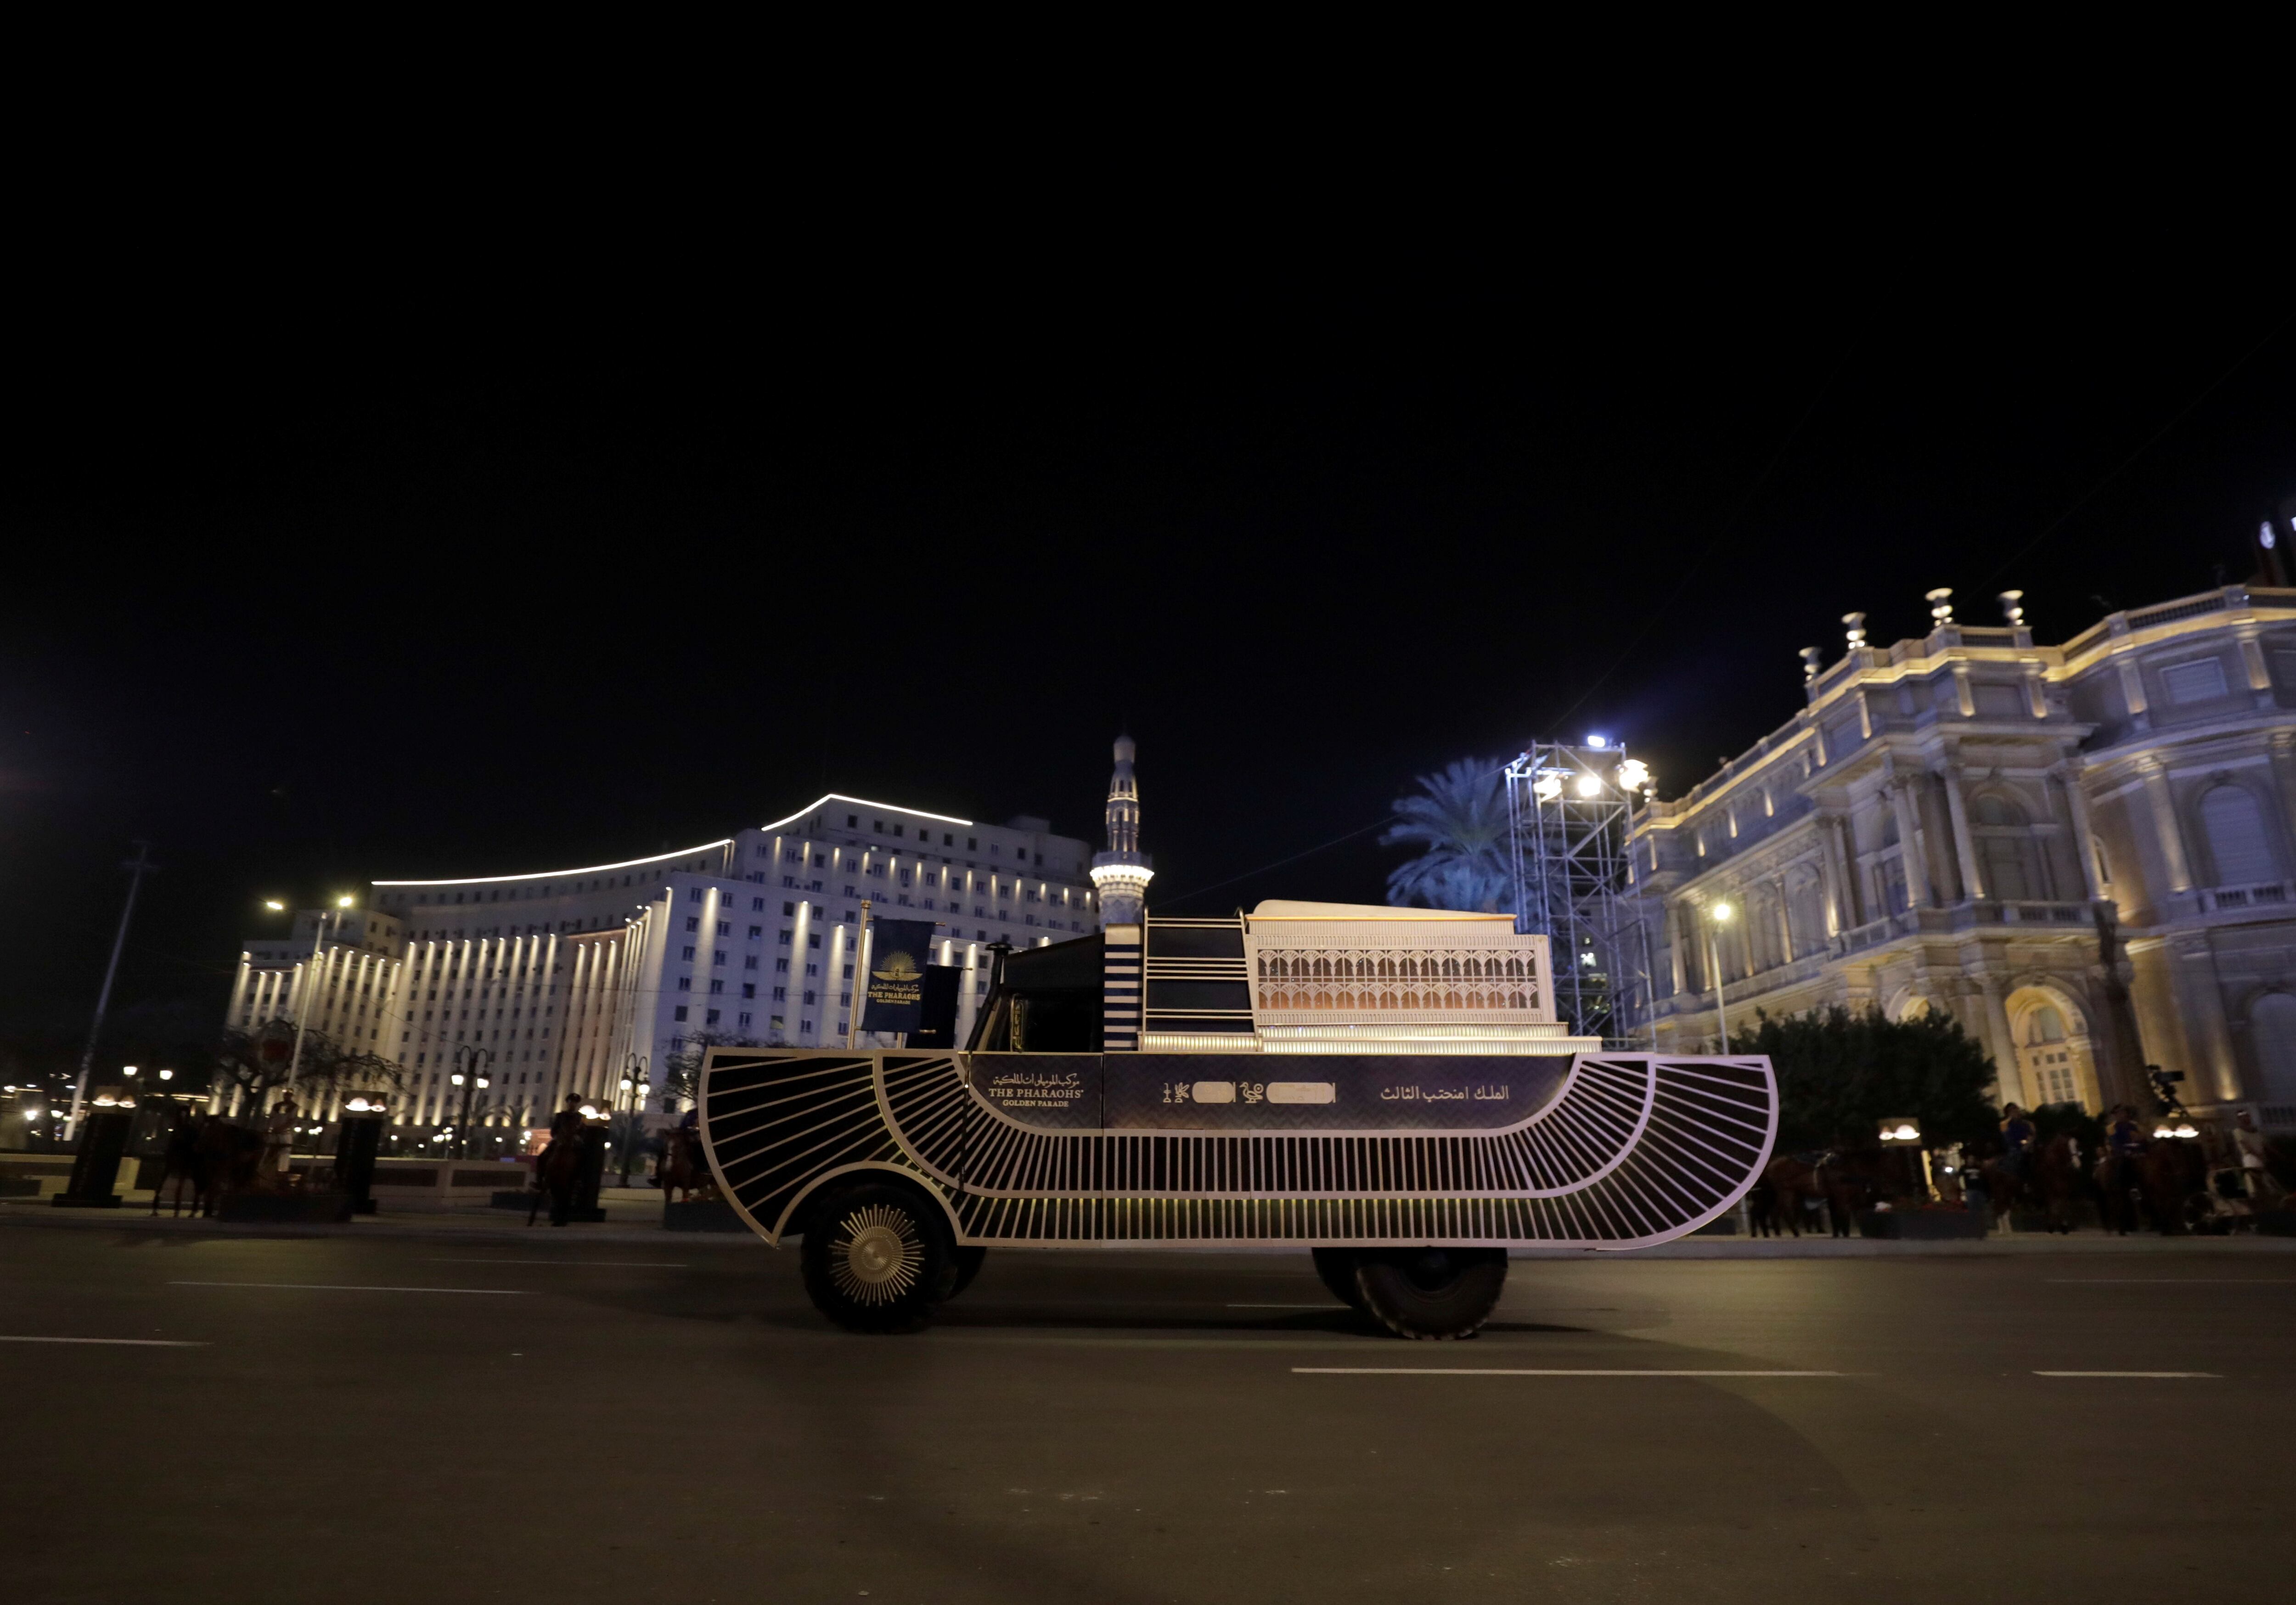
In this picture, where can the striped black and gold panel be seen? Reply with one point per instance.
(1197, 981)
(772, 1125)
(1636, 1149)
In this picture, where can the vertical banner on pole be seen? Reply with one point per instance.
(893, 997)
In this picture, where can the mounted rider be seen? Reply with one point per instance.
(2018, 1135)
(557, 1166)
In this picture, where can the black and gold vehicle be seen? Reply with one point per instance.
(1408, 1167)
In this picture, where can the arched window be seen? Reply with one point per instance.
(2272, 1024)
(2043, 1025)
(2240, 854)
(1411, 1000)
(2272, 1027)
(1994, 809)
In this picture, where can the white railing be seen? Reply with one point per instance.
(2268, 894)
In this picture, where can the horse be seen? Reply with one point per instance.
(2046, 1181)
(683, 1167)
(1761, 1207)
(1798, 1185)
(557, 1172)
(181, 1161)
(225, 1160)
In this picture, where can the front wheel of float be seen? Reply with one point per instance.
(1430, 1292)
(877, 1258)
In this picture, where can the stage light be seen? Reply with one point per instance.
(1598, 741)
(1590, 785)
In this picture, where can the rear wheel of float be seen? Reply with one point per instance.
(1430, 1292)
(878, 1259)
(1335, 1268)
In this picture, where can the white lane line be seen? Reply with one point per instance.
(2173, 1282)
(2210, 1375)
(620, 1265)
(344, 1287)
(1332, 1304)
(1463, 1371)
(113, 1342)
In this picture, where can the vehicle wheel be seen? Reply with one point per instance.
(1430, 1292)
(1335, 1268)
(964, 1266)
(876, 1259)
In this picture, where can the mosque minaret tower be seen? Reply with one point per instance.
(1122, 873)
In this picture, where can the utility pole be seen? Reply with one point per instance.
(137, 868)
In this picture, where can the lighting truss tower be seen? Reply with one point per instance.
(1568, 809)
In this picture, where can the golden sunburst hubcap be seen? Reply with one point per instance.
(877, 1256)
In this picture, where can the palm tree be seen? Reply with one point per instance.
(1460, 815)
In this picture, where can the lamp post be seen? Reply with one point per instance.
(467, 1075)
(310, 988)
(1717, 916)
(633, 1089)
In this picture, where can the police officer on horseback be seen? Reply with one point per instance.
(2017, 1136)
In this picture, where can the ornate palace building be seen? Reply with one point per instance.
(2086, 853)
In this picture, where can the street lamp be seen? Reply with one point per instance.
(310, 985)
(467, 1076)
(634, 1090)
(1717, 917)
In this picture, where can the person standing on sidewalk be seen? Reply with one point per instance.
(2264, 1189)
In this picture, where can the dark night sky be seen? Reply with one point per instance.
(403, 577)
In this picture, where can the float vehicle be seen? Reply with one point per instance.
(1388, 1089)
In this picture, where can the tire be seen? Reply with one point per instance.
(1335, 1268)
(964, 1266)
(1430, 1292)
(877, 1258)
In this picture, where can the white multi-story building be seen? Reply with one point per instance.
(563, 981)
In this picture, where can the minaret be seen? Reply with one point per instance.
(1122, 873)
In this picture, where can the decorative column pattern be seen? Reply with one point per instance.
(2164, 822)
(1909, 841)
(2084, 837)
(1965, 845)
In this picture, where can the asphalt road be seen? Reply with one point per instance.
(432, 1421)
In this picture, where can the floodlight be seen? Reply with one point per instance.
(1633, 774)
(1722, 913)
(1598, 741)
(167, 1075)
(343, 902)
(127, 1070)
(1548, 786)
(1590, 785)
(275, 906)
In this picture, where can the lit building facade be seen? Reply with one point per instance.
(566, 981)
(2086, 853)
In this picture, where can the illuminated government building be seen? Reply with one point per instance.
(570, 977)
(2084, 853)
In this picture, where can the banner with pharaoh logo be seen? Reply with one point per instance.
(893, 998)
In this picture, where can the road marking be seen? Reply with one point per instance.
(1463, 1371)
(344, 1287)
(1326, 1304)
(623, 1264)
(2212, 1375)
(2173, 1282)
(114, 1342)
